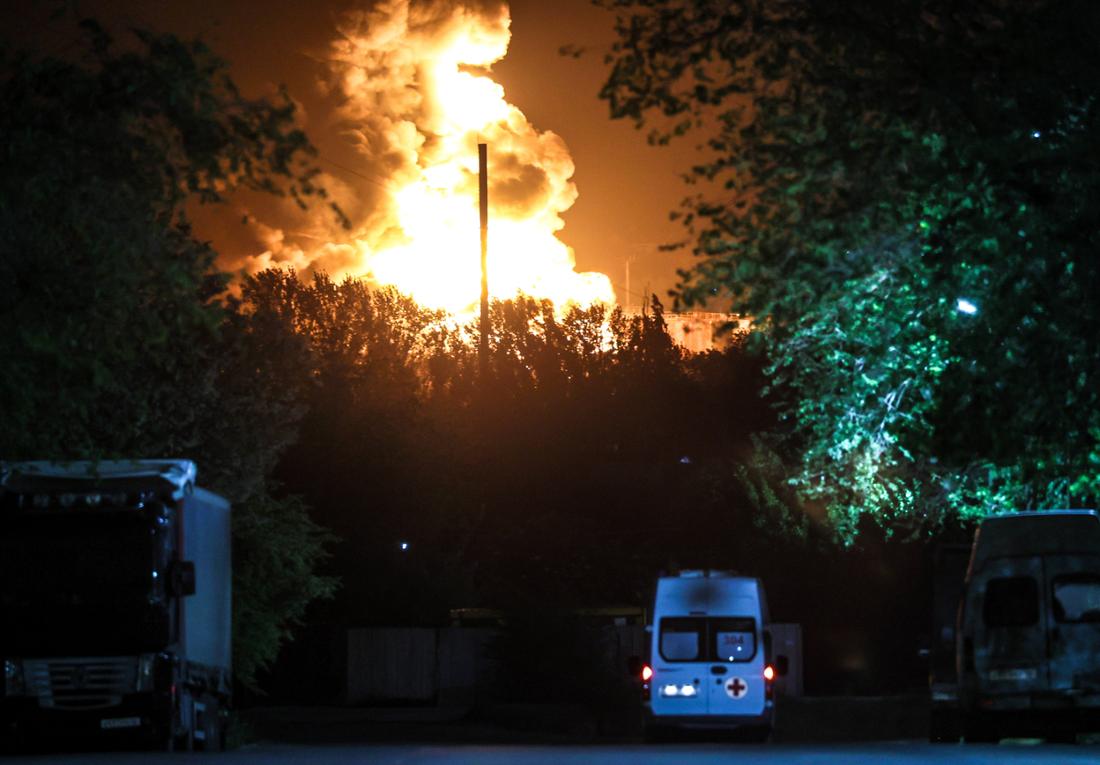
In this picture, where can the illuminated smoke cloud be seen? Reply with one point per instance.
(413, 97)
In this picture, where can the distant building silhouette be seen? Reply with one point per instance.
(697, 331)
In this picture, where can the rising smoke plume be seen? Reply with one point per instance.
(409, 84)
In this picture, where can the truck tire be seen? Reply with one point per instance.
(222, 727)
(172, 739)
(13, 742)
(943, 727)
(182, 737)
(213, 725)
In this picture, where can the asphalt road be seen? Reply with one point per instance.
(622, 754)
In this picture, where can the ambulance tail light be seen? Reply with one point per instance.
(769, 676)
(646, 675)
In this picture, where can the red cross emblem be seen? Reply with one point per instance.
(736, 687)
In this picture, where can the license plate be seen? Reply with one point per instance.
(1012, 674)
(120, 722)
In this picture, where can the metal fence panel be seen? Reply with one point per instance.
(392, 664)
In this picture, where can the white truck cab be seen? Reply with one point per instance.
(710, 663)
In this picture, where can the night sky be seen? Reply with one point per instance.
(626, 188)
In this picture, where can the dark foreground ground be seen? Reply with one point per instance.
(817, 720)
(873, 753)
(827, 731)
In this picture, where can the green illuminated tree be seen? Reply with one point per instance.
(905, 196)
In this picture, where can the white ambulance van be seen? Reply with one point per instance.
(709, 661)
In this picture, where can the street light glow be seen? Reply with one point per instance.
(965, 306)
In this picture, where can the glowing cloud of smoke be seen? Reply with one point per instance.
(415, 98)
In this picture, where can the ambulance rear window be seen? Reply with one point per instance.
(716, 638)
(682, 639)
(733, 639)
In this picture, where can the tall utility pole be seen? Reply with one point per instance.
(636, 249)
(483, 199)
(626, 297)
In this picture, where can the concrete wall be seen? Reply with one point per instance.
(391, 664)
(787, 641)
(448, 666)
(451, 666)
(466, 673)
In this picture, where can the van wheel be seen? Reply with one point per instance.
(1062, 736)
(656, 734)
(755, 734)
(943, 727)
(977, 730)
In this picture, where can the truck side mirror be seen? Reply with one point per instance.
(634, 666)
(782, 665)
(181, 578)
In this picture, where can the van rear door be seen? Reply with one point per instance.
(1074, 591)
(1011, 627)
(736, 680)
(679, 675)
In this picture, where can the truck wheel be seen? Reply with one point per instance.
(182, 736)
(171, 739)
(221, 728)
(213, 725)
(943, 727)
(13, 742)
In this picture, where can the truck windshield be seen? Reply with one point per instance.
(68, 580)
(708, 638)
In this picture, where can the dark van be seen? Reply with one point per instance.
(1028, 643)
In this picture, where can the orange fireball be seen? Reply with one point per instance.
(417, 89)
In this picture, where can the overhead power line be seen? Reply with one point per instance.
(376, 180)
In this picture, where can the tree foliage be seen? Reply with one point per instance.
(904, 196)
(593, 454)
(536, 481)
(116, 336)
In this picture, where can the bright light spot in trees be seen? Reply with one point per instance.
(1036, 134)
(965, 306)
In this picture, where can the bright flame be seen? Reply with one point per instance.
(405, 70)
